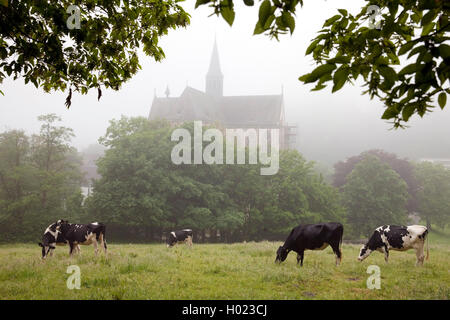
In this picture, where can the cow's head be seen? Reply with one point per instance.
(282, 254)
(61, 223)
(171, 239)
(49, 239)
(364, 252)
(45, 249)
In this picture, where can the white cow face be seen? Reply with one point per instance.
(364, 253)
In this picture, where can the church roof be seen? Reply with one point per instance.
(194, 104)
(211, 106)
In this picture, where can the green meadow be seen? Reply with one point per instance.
(221, 271)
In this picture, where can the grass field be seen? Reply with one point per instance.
(221, 271)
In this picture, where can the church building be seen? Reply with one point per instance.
(213, 108)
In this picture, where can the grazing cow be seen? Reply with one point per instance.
(312, 237)
(84, 234)
(399, 238)
(50, 239)
(178, 236)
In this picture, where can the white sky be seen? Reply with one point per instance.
(345, 122)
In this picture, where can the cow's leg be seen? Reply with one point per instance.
(78, 249)
(71, 247)
(301, 254)
(420, 256)
(102, 242)
(386, 254)
(51, 252)
(337, 251)
(95, 243)
(189, 241)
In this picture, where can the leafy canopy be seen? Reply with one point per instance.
(373, 195)
(403, 57)
(37, 44)
(434, 193)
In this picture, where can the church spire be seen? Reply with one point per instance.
(214, 77)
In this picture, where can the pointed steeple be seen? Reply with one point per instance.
(214, 77)
(167, 92)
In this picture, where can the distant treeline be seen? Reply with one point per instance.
(142, 195)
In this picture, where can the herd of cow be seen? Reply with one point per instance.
(301, 238)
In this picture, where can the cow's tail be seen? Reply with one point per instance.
(428, 251)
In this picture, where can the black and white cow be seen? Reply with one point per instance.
(85, 234)
(312, 237)
(180, 236)
(52, 238)
(401, 238)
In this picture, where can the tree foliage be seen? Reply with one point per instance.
(374, 195)
(142, 194)
(434, 193)
(40, 180)
(401, 166)
(37, 44)
(403, 57)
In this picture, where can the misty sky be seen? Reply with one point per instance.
(331, 126)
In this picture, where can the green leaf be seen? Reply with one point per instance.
(200, 2)
(444, 51)
(228, 14)
(390, 113)
(311, 47)
(249, 2)
(319, 72)
(388, 73)
(288, 21)
(408, 69)
(417, 50)
(405, 48)
(408, 111)
(339, 59)
(427, 18)
(264, 12)
(258, 29)
(442, 99)
(427, 29)
(343, 12)
(318, 87)
(331, 20)
(340, 77)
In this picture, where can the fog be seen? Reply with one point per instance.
(331, 126)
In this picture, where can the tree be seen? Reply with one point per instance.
(17, 184)
(142, 194)
(402, 166)
(40, 180)
(40, 42)
(346, 49)
(374, 195)
(434, 193)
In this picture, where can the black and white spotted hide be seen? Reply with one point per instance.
(180, 236)
(85, 234)
(51, 239)
(400, 238)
